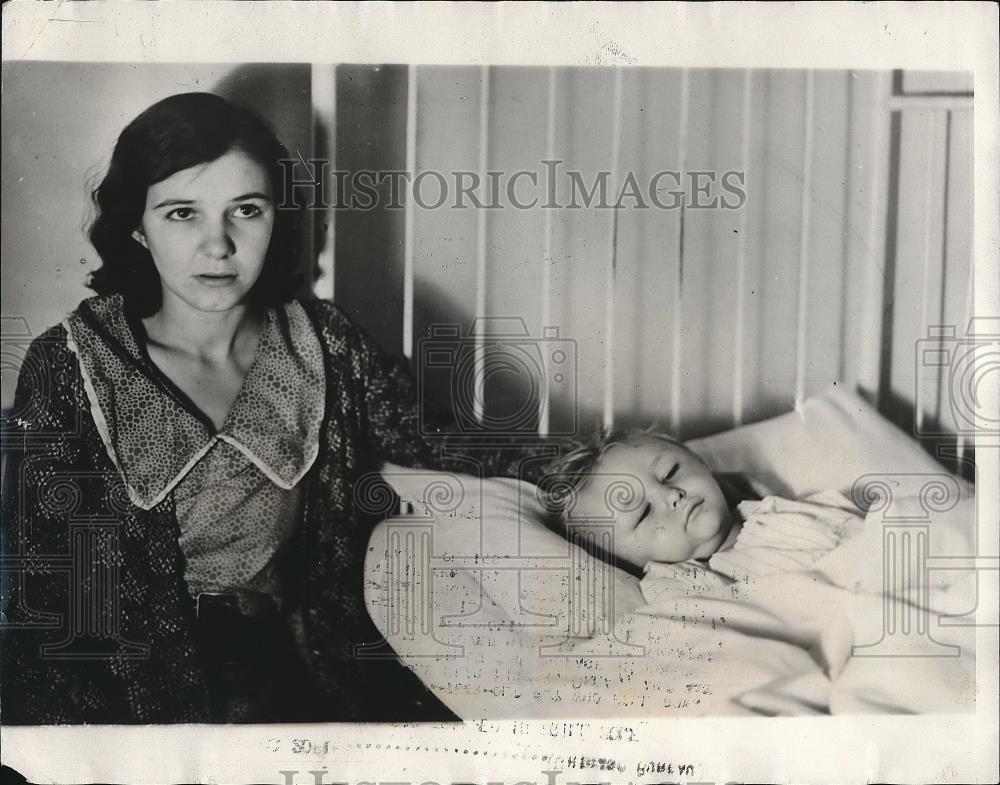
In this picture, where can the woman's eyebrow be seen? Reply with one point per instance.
(242, 198)
(169, 202)
(252, 195)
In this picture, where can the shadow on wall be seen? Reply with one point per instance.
(282, 95)
(369, 253)
(956, 453)
(444, 352)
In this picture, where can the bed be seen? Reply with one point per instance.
(501, 617)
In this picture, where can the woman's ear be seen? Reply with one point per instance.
(140, 237)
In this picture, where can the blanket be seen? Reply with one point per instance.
(512, 625)
(859, 631)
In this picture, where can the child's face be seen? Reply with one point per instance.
(679, 513)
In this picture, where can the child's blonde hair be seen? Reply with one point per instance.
(568, 474)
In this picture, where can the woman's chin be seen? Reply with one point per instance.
(215, 301)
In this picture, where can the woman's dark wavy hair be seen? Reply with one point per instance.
(177, 133)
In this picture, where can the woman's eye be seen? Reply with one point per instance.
(180, 214)
(672, 473)
(248, 211)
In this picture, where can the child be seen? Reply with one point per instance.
(679, 526)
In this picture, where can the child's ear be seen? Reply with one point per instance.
(140, 237)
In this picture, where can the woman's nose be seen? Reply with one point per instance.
(216, 242)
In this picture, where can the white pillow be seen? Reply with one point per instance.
(483, 524)
(828, 443)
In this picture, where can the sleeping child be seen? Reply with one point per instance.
(679, 526)
(741, 587)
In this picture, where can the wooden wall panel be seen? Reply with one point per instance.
(371, 133)
(515, 248)
(867, 183)
(568, 298)
(918, 246)
(753, 256)
(582, 262)
(828, 231)
(782, 186)
(711, 249)
(648, 249)
(444, 238)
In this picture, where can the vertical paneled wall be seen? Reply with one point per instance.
(854, 237)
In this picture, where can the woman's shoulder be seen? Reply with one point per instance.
(51, 338)
(54, 345)
(330, 319)
(48, 378)
(103, 307)
(324, 309)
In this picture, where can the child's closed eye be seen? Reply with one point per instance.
(672, 473)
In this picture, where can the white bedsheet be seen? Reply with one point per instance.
(780, 647)
(826, 612)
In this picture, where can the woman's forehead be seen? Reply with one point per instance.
(231, 175)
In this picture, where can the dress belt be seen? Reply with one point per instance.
(255, 672)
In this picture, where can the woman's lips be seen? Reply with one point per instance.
(216, 279)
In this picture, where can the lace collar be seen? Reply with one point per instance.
(154, 434)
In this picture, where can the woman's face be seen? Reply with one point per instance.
(207, 229)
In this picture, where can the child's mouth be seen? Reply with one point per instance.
(691, 511)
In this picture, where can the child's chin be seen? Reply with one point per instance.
(712, 544)
(708, 526)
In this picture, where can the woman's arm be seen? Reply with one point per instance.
(42, 447)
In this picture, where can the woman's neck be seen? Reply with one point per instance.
(211, 337)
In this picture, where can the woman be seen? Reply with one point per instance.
(212, 429)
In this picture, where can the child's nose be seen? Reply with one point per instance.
(673, 496)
